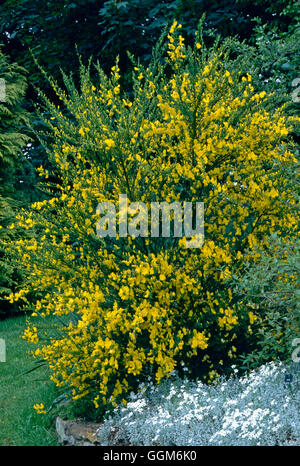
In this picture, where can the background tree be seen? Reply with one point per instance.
(105, 29)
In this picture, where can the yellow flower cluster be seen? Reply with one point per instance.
(130, 307)
(39, 408)
(30, 334)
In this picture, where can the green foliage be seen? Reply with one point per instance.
(109, 28)
(85, 409)
(16, 175)
(13, 117)
(135, 25)
(270, 289)
(274, 62)
(50, 30)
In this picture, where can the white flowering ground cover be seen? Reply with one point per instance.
(261, 408)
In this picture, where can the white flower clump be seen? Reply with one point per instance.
(261, 408)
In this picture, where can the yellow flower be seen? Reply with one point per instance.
(39, 408)
(30, 334)
(252, 317)
(124, 292)
(199, 340)
(109, 143)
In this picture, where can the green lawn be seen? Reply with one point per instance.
(19, 423)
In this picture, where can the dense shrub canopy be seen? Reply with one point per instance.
(192, 129)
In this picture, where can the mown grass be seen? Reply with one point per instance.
(19, 423)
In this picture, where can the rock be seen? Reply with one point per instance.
(116, 437)
(77, 432)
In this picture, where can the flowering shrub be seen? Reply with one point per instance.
(257, 409)
(192, 129)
